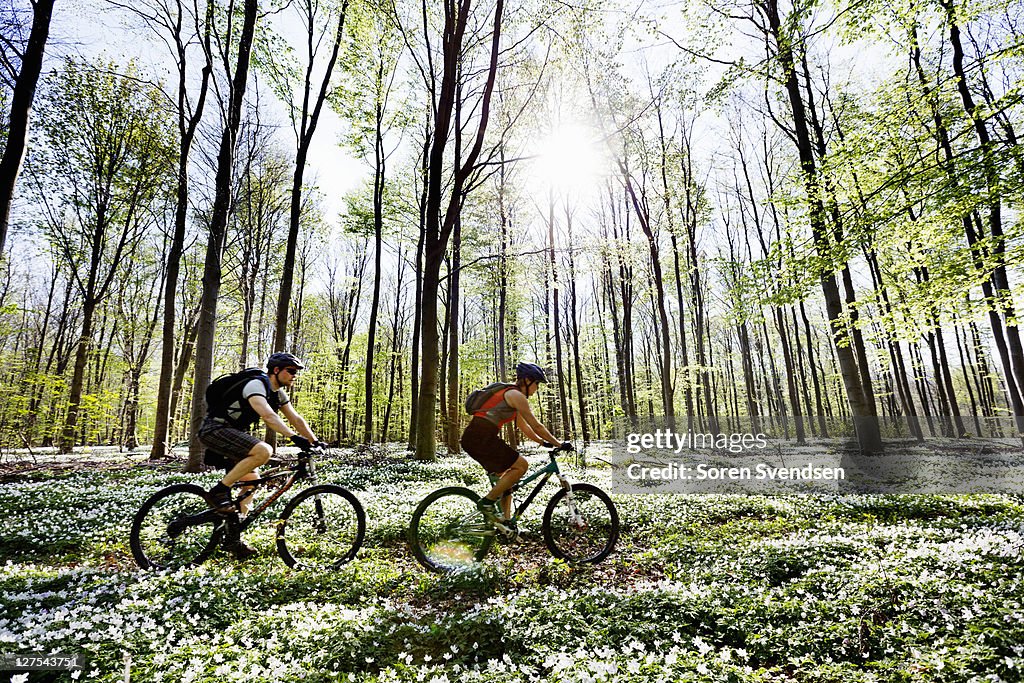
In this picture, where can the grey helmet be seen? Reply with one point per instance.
(282, 359)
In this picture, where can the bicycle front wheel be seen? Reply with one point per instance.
(583, 527)
(175, 528)
(321, 528)
(448, 533)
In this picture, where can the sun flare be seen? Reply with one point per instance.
(569, 158)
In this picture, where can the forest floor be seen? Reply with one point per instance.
(702, 587)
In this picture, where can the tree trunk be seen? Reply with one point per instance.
(218, 231)
(575, 334)
(556, 318)
(453, 423)
(131, 429)
(439, 231)
(1006, 356)
(186, 129)
(625, 351)
(1000, 281)
(21, 106)
(703, 386)
(68, 437)
(895, 349)
(665, 339)
(378, 248)
(184, 360)
(790, 364)
(306, 130)
(414, 366)
(975, 412)
(502, 270)
(854, 378)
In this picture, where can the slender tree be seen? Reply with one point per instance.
(237, 76)
(31, 59)
(186, 29)
(440, 215)
(105, 159)
(317, 20)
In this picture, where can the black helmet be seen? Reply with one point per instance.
(531, 372)
(283, 360)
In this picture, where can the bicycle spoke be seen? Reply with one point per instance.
(175, 528)
(583, 527)
(321, 529)
(448, 533)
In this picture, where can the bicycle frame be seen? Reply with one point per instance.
(301, 470)
(550, 469)
(237, 524)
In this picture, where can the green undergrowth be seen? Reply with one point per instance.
(701, 588)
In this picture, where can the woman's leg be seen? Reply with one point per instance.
(508, 479)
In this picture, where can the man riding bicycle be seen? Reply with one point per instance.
(482, 440)
(225, 431)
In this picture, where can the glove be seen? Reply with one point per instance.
(567, 446)
(547, 444)
(320, 444)
(301, 441)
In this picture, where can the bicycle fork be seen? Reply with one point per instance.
(575, 518)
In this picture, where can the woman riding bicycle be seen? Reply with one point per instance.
(482, 441)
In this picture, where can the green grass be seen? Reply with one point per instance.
(702, 588)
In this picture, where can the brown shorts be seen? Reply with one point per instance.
(482, 443)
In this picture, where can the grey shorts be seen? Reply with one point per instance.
(225, 445)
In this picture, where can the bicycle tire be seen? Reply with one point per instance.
(588, 539)
(321, 528)
(447, 533)
(175, 528)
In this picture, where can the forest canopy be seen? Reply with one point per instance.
(752, 211)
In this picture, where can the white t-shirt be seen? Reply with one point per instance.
(255, 387)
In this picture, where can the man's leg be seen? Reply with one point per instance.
(243, 504)
(245, 470)
(258, 455)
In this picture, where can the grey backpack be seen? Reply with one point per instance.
(477, 400)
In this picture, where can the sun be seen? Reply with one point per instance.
(569, 159)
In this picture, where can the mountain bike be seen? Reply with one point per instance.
(321, 528)
(580, 524)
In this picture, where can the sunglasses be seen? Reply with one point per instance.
(291, 371)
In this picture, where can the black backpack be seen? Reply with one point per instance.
(476, 399)
(219, 393)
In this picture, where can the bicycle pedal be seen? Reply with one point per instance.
(507, 530)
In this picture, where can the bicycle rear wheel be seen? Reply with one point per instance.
(321, 528)
(175, 528)
(448, 533)
(582, 529)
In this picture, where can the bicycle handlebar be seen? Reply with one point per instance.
(311, 451)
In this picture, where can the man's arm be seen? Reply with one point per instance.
(298, 422)
(517, 400)
(270, 418)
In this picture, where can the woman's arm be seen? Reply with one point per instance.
(526, 429)
(517, 400)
